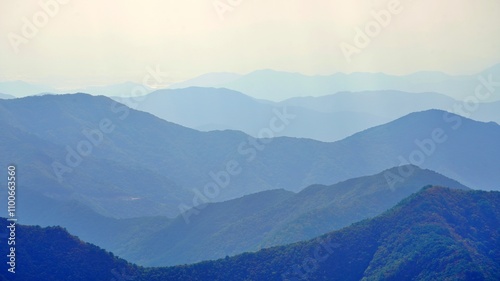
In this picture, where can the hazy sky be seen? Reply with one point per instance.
(100, 42)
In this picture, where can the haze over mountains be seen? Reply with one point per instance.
(138, 185)
(255, 221)
(5, 96)
(276, 217)
(278, 86)
(437, 233)
(234, 140)
(96, 151)
(208, 109)
(23, 89)
(320, 118)
(227, 101)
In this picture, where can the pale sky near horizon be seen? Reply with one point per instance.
(104, 42)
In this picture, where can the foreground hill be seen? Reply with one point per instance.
(271, 218)
(436, 234)
(125, 163)
(261, 220)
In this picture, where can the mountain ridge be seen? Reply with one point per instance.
(220, 229)
(437, 233)
(139, 149)
(288, 84)
(321, 118)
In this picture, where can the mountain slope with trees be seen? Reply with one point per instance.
(438, 233)
(124, 163)
(272, 218)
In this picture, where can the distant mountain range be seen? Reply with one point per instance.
(320, 118)
(5, 96)
(327, 118)
(24, 89)
(120, 89)
(102, 151)
(278, 86)
(208, 109)
(436, 234)
(394, 104)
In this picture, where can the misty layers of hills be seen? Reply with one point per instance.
(326, 118)
(279, 86)
(436, 234)
(97, 151)
(157, 193)
(317, 106)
